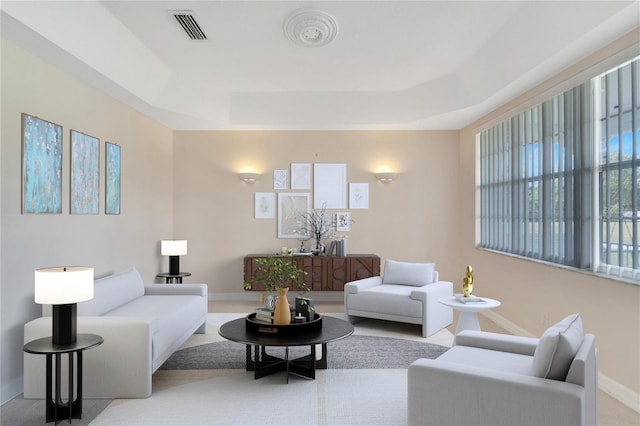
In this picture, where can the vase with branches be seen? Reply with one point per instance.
(318, 224)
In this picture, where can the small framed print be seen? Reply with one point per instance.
(300, 176)
(280, 179)
(343, 221)
(264, 205)
(358, 195)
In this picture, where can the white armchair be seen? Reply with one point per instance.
(494, 379)
(408, 292)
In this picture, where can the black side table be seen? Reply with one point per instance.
(170, 277)
(56, 408)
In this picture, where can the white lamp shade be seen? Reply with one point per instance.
(173, 247)
(63, 284)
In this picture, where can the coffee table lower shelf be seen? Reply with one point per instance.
(264, 364)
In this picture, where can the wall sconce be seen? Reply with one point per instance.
(386, 177)
(174, 249)
(249, 177)
(63, 287)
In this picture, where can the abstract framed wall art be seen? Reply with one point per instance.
(41, 166)
(85, 174)
(112, 178)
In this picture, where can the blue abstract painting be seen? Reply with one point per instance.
(113, 178)
(41, 166)
(85, 173)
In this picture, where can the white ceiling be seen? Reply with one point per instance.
(393, 64)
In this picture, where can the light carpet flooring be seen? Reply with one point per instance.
(611, 412)
(195, 386)
(207, 396)
(336, 397)
(233, 397)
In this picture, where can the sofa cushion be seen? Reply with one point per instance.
(506, 362)
(172, 316)
(406, 273)
(557, 348)
(387, 299)
(112, 292)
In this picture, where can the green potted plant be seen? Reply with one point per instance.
(279, 273)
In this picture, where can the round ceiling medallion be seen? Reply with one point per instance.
(310, 27)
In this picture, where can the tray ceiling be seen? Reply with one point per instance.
(390, 64)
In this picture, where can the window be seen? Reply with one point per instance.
(538, 169)
(618, 181)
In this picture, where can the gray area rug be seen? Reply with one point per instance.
(354, 352)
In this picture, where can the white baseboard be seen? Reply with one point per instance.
(249, 296)
(619, 392)
(616, 390)
(11, 390)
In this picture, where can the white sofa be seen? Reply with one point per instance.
(142, 325)
(407, 292)
(495, 379)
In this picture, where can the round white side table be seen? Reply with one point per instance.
(468, 319)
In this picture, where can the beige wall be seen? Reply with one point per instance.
(108, 243)
(412, 218)
(534, 294)
(185, 185)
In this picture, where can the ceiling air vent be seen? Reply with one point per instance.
(189, 25)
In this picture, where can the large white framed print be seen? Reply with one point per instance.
(293, 208)
(300, 176)
(358, 195)
(264, 207)
(329, 186)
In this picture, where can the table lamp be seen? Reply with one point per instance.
(63, 287)
(174, 249)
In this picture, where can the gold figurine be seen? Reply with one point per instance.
(467, 282)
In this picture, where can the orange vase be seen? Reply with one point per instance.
(282, 314)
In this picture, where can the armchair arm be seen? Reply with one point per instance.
(497, 342)
(433, 291)
(354, 287)
(435, 316)
(444, 393)
(187, 289)
(118, 368)
(358, 285)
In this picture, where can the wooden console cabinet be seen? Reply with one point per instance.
(324, 273)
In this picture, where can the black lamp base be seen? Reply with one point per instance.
(64, 324)
(174, 265)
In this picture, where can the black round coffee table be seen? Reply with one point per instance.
(264, 364)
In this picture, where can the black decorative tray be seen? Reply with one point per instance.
(303, 327)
